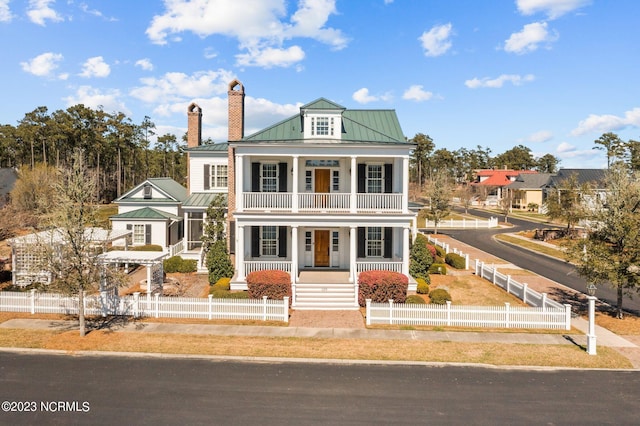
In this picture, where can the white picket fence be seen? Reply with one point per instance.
(468, 316)
(141, 306)
(448, 249)
(464, 223)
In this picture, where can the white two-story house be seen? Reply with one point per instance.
(321, 195)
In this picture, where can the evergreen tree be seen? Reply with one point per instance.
(214, 241)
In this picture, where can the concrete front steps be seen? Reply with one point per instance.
(329, 296)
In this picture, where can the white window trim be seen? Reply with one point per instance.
(214, 176)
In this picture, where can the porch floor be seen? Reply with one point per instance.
(323, 276)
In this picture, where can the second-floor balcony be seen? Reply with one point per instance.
(312, 202)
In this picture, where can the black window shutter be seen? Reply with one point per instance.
(255, 177)
(207, 176)
(388, 240)
(232, 237)
(362, 178)
(362, 243)
(255, 241)
(282, 177)
(282, 241)
(388, 178)
(129, 227)
(147, 233)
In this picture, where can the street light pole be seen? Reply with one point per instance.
(591, 336)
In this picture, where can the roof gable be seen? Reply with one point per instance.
(146, 213)
(163, 189)
(323, 104)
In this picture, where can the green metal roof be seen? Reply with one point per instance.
(201, 199)
(173, 189)
(146, 213)
(212, 147)
(372, 126)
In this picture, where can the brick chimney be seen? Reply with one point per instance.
(194, 135)
(236, 133)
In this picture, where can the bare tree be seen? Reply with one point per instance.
(439, 193)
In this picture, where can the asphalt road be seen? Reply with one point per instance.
(137, 391)
(554, 269)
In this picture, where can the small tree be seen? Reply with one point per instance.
(439, 194)
(566, 202)
(420, 258)
(214, 241)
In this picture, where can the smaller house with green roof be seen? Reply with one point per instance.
(153, 212)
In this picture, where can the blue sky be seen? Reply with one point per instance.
(552, 75)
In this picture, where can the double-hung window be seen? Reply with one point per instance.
(375, 178)
(219, 176)
(269, 177)
(138, 234)
(269, 241)
(374, 241)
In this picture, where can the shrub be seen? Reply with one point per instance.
(455, 260)
(422, 286)
(218, 261)
(420, 258)
(439, 296)
(438, 268)
(178, 264)
(440, 252)
(415, 299)
(380, 286)
(432, 250)
(147, 247)
(221, 294)
(274, 284)
(223, 284)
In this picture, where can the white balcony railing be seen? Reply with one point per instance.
(262, 265)
(382, 265)
(311, 202)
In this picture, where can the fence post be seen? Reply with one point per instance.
(495, 269)
(464, 223)
(508, 284)
(476, 223)
(136, 304)
(210, 306)
(286, 309)
(524, 292)
(157, 297)
(506, 315)
(390, 311)
(33, 301)
(448, 313)
(544, 302)
(264, 308)
(466, 261)
(567, 316)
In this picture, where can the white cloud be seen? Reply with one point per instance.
(530, 38)
(39, 12)
(5, 12)
(42, 65)
(95, 67)
(565, 147)
(539, 137)
(145, 64)
(417, 93)
(260, 26)
(498, 82)
(363, 96)
(607, 122)
(176, 86)
(94, 98)
(553, 8)
(271, 57)
(435, 42)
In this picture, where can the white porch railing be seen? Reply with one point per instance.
(469, 316)
(382, 265)
(261, 265)
(322, 202)
(176, 249)
(379, 202)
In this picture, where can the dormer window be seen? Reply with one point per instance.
(322, 126)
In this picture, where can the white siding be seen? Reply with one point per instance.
(196, 172)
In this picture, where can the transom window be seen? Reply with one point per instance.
(219, 175)
(269, 177)
(374, 241)
(269, 242)
(374, 178)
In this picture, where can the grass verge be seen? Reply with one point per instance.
(345, 349)
(531, 245)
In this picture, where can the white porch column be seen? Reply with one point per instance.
(352, 254)
(238, 177)
(414, 227)
(294, 254)
(240, 253)
(405, 184)
(354, 185)
(295, 188)
(405, 251)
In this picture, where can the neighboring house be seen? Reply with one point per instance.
(594, 177)
(153, 212)
(491, 183)
(528, 189)
(325, 190)
(8, 178)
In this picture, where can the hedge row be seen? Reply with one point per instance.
(178, 264)
(274, 284)
(455, 260)
(380, 286)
